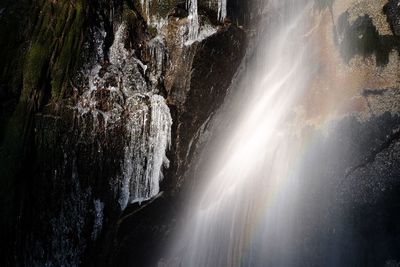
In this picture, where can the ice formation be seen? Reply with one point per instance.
(197, 33)
(98, 218)
(149, 126)
(193, 20)
(159, 56)
(221, 10)
(122, 89)
(205, 32)
(192, 31)
(134, 102)
(146, 7)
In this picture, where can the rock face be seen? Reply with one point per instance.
(352, 119)
(103, 122)
(103, 103)
(392, 11)
(351, 213)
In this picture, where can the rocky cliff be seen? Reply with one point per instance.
(103, 103)
(351, 119)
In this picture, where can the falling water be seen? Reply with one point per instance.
(244, 213)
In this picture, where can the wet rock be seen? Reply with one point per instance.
(207, 89)
(353, 206)
(192, 101)
(67, 208)
(392, 11)
(94, 140)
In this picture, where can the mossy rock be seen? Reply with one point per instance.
(69, 51)
(57, 40)
(36, 59)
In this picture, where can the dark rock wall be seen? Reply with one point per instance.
(349, 203)
(59, 201)
(33, 47)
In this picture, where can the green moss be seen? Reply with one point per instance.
(55, 38)
(35, 61)
(50, 34)
(62, 14)
(69, 52)
(56, 42)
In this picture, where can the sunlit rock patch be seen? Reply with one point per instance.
(361, 53)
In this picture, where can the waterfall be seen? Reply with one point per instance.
(243, 213)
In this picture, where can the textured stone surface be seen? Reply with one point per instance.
(351, 213)
(74, 133)
(59, 186)
(392, 11)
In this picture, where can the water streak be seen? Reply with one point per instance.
(251, 192)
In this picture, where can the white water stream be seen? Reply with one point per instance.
(244, 213)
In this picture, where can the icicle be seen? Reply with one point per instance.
(149, 126)
(160, 139)
(98, 218)
(197, 33)
(193, 19)
(221, 10)
(159, 56)
(146, 7)
(130, 99)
